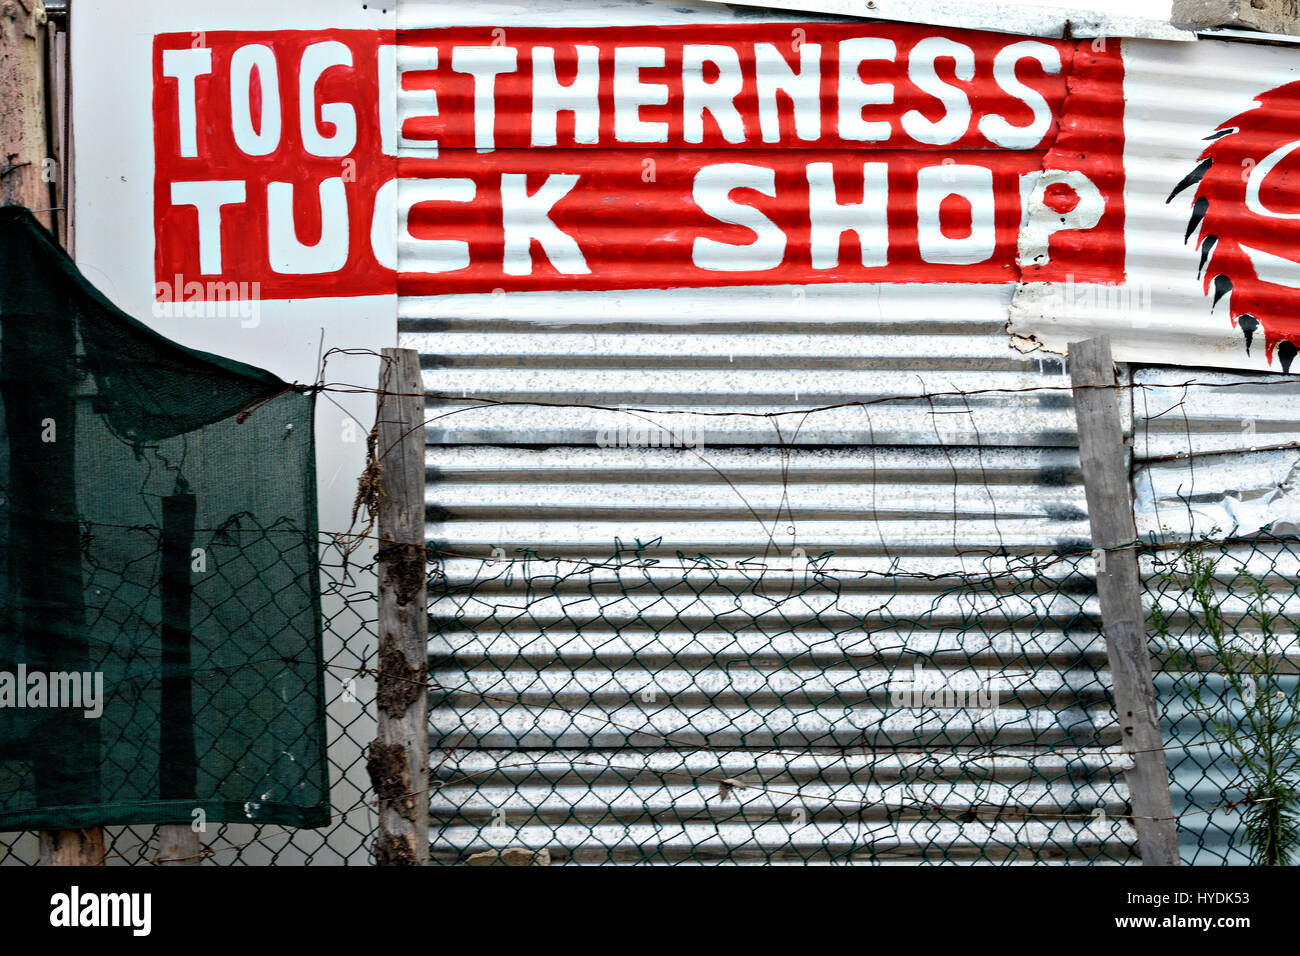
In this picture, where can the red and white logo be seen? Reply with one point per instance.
(1246, 217)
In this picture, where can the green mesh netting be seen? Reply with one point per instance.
(158, 534)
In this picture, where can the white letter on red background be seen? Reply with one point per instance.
(831, 219)
(208, 197)
(630, 94)
(525, 218)
(185, 65)
(997, 129)
(316, 59)
(251, 141)
(287, 255)
(484, 63)
(712, 193)
(393, 203)
(934, 184)
(956, 105)
(551, 97)
(429, 255)
(804, 89)
(396, 103)
(854, 94)
(1039, 221)
(718, 98)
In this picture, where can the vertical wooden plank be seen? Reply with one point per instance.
(67, 181)
(178, 845)
(1104, 459)
(398, 760)
(23, 121)
(56, 101)
(73, 847)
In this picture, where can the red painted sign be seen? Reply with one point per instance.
(1243, 215)
(470, 160)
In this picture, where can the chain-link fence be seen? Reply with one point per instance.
(1223, 632)
(659, 707)
(638, 709)
(692, 710)
(689, 710)
(246, 556)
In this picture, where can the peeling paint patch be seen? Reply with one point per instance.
(1210, 170)
(1084, 210)
(1076, 206)
(1026, 343)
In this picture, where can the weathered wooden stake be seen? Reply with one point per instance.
(24, 143)
(72, 847)
(1110, 511)
(398, 761)
(178, 845)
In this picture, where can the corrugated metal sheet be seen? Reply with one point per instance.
(925, 487)
(1221, 453)
(1217, 458)
(1100, 18)
(933, 482)
(1164, 312)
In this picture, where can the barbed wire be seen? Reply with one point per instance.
(1025, 567)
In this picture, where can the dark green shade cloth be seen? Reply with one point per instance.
(151, 536)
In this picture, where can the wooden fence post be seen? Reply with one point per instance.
(398, 760)
(24, 182)
(1114, 534)
(72, 847)
(24, 143)
(178, 845)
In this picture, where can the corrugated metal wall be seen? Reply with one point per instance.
(923, 487)
(908, 485)
(1217, 458)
